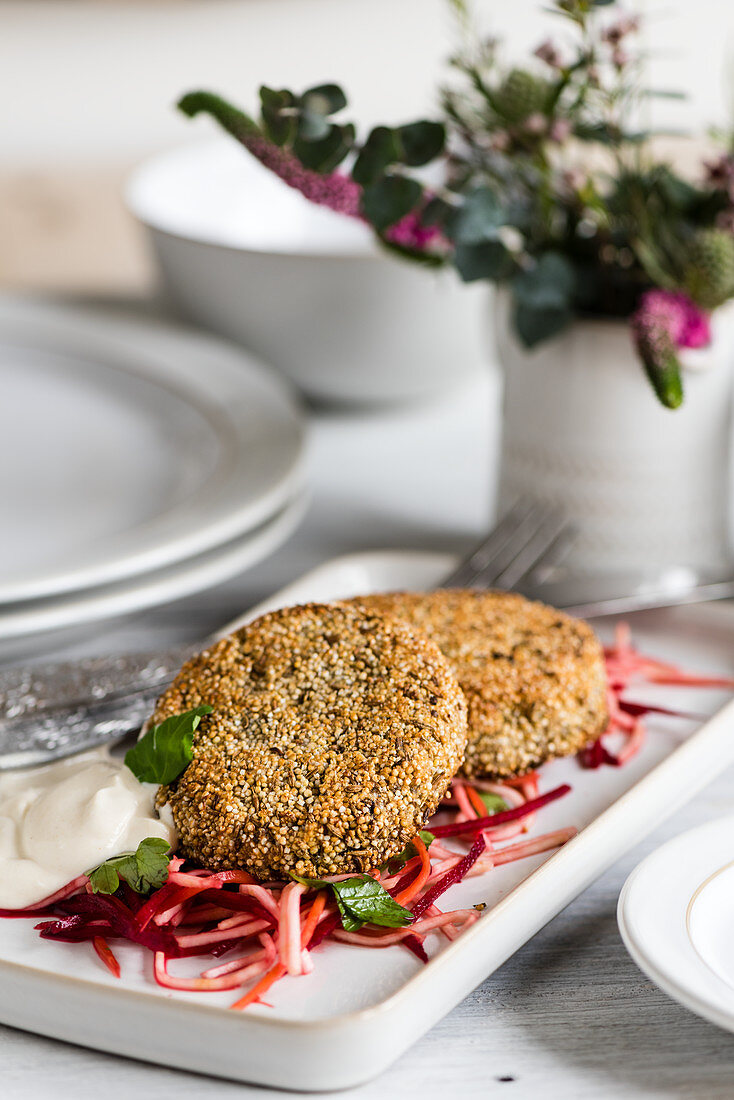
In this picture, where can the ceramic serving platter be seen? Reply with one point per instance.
(359, 1010)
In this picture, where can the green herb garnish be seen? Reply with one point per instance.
(143, 870)
(493, 802)
(166, 750)
(409, 851)
(362, 900)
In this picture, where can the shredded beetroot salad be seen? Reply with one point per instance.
(271, 929)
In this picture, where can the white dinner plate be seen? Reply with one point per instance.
(359, 1010)
(676, 916)
(128, 446)
(154, 588)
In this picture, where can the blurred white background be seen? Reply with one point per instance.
(90, 81)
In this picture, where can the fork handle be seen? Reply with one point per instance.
(42, 690)
(36, 741)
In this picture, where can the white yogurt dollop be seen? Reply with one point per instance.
(58, 821)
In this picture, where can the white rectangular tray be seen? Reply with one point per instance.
(359, 1010)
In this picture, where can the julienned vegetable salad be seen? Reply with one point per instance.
(267, 930)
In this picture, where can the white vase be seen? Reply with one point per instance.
(647, 487)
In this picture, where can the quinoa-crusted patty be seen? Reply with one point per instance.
(334, 735)
(534, 678)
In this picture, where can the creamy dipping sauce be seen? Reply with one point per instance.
(63, 819)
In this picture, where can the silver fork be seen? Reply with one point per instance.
(54, 710)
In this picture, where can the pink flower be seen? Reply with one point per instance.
(499, 141)
(560, 130)
(548, 52)
(410, 232)
(669, 315)
(697, 329)
(619, 30)
(338, 192)
(535, 123)
(619, 57)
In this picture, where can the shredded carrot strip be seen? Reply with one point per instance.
(421, 879)
(261, 987)
(313, 918)
(476, 801)
(104, 951)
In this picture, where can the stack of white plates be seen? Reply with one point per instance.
(139, 462)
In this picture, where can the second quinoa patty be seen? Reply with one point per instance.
(335, 733)
(534, 678)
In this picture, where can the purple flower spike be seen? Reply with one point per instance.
(666, 321)
(338, 192)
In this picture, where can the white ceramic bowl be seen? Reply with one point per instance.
(308, 290)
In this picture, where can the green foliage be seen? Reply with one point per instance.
(280, 126)
(420, 142)
(543, 298)
(378, 152)
(520, 95)
(389, 199)
(518, 205)
(477, 219)
(709, 271)
(487, 260)
(326, 153)
(662, 366)
(412, 145)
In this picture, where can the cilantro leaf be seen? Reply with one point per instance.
(104, 879)
(364, 901)
(361, 900)
(409, 851)
(143, 870)
(166, 750)
(493, 802)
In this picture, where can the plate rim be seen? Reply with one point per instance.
(120, 338)
(162, 585)
(678, 990)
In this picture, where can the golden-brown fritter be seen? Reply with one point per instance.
(534, 678)
(334, 735)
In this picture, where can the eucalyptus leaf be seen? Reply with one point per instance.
(324, 99)
(378, 152)
(312, 126)
(437, 212)
(389, 199)
(420, 142)
(478, 219)
(325, 155)
(548, 285)
(486, 260)
(280, 128)
(533, 324)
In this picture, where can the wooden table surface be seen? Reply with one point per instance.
(570, 1015)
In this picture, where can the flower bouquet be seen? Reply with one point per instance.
(542, 180)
